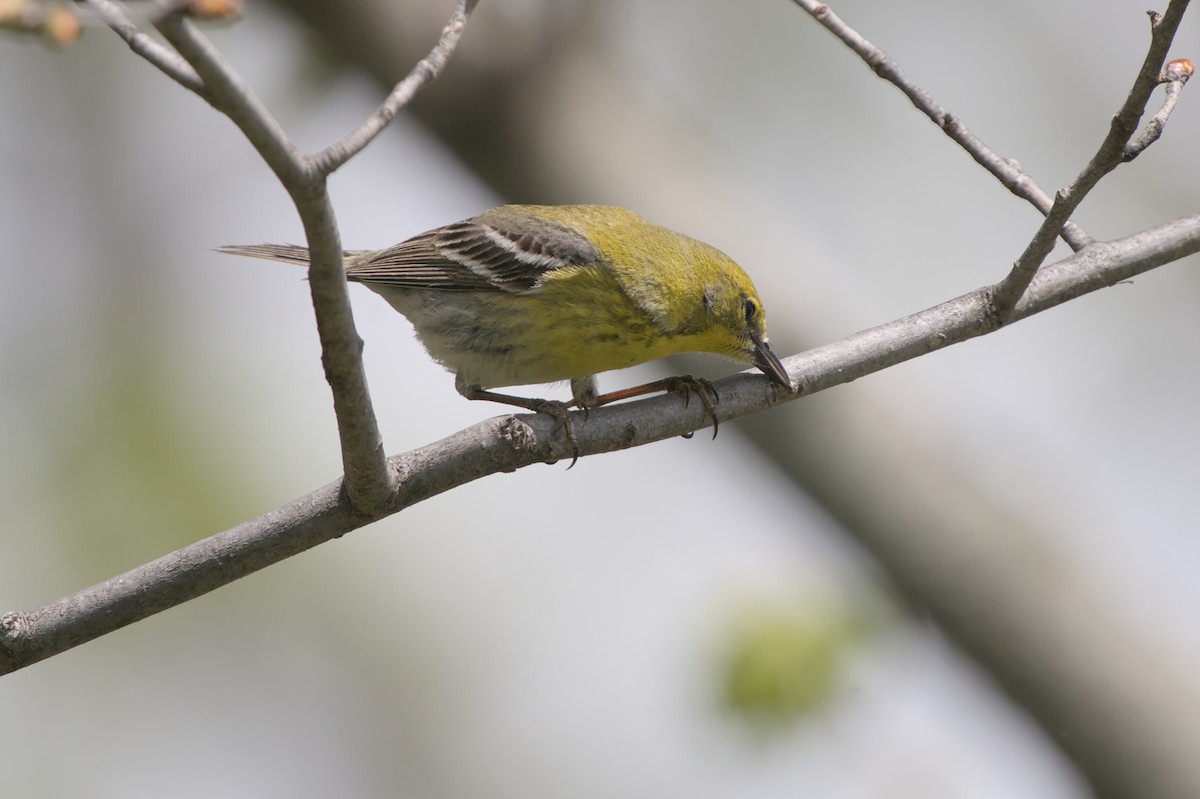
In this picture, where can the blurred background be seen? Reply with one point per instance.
(969, 576)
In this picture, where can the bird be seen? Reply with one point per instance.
(531, 294)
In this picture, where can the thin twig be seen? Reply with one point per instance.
(428, 68)
(1107, 158)
(1006, 170)
(1176, 77)
(168, 62)
(506, 443)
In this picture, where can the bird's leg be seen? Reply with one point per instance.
(583, 389)
(702, 388)
(554, 408)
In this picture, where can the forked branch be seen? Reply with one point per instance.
(1108, 157)
(199, 67)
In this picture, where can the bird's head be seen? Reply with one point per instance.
(697, 296)
(736, 324)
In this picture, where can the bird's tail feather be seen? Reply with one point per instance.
(287, 253)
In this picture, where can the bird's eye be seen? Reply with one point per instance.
(751, 309)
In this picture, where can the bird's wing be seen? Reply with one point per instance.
(509, 254)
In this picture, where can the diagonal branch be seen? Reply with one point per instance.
(335, 155)
(1107, 158)
(506, 443)
(1006, 170)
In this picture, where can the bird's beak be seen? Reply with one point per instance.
(770, 365)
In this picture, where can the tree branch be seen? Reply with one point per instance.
(506, 443)
(328, 160)
(368, 480)
(1107, 158)
(1176, 77)
(1006, 170)
(202, 69)
(168, 63)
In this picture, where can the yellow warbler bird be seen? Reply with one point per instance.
(525, 294)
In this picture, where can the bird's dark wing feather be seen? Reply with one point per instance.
(508, 254)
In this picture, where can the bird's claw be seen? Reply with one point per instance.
(704, 389)
(562, 413)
